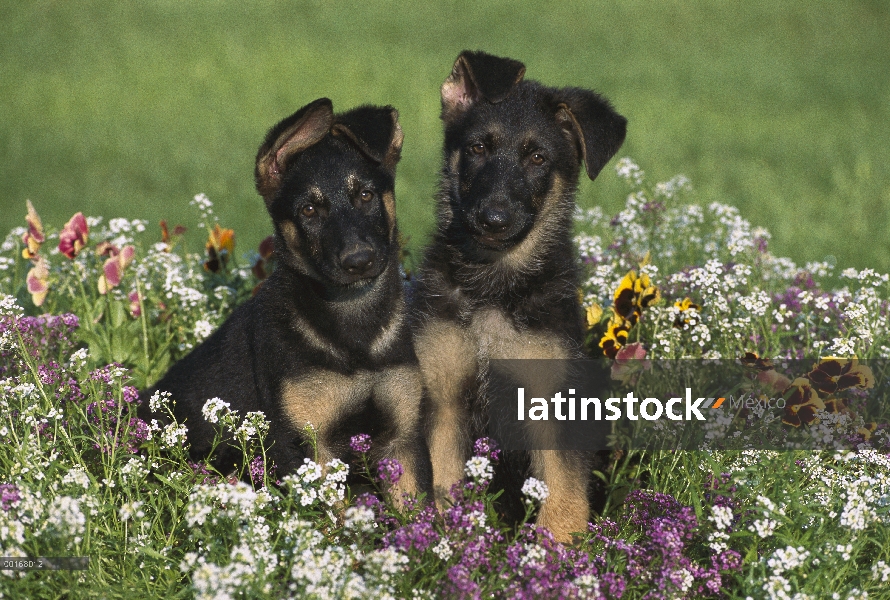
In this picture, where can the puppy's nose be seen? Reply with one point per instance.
(494, 220)
(357, 260)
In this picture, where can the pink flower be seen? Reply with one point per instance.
(629, 363)
(38, 280)
(773, 380)
(34, 236)
(113, 269)
(135, 305)
(73, 236)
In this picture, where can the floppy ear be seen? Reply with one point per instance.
(478, 75)
(375, 131)
(596, 127)
(294, 134)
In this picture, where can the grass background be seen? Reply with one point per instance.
(130, 108)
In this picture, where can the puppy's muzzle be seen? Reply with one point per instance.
(358, 260)
(494, 220)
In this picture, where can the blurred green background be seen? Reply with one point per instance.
(128, 109)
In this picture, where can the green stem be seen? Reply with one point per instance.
(144, 330)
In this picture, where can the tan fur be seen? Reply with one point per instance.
(312, 336)
(389, 334)
(454, 160)
(395, 145)
(304, 133)
(447, 358)
(566, 510)
(497, 338)
(321, 397)
(389, 205)
(523, 254)
(291, 235)
(399, 390)
(449, 355)
(445, 214)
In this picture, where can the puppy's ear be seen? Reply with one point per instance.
(593, 124)
(375, 131)
(477, 75)
(294, 134)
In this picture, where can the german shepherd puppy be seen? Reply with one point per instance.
(325, 340)
(499, 280)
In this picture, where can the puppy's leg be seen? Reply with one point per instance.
(566, 510)
(448, 362)
(321, 398)
(398, 392)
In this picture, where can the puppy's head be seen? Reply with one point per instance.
(513, 147)
(328, 183)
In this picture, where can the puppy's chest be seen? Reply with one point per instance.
(496, 335)
(325, 397)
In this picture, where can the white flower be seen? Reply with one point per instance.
(533, 555)
(534, 489)
(9, 306)
(721, 516)
(443, 549)
(203, 329)
(628, 170)
(212, 409)
(77, 476)
(309, 471)
(159, 401)
(785, 559)
(130, 510)
(589, 585)
(134, 470)
(78, 359)
(253, 425)
(777, 587)
(880, 571)
(338, 471)
(65, 517)
(763, 527)
(479, 469)
(359, 518)
(174, 435)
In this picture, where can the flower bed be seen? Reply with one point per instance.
(90, 313)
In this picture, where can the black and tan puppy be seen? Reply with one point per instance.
(499, 280)
(325, 340)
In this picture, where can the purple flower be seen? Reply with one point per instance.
(488, 448)
(421, 534)
(9, 495)
(201, 469)
(257, 470)
(360, 443)
(389, 471)
(460, 583)
(45, 338)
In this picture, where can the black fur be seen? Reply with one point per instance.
(513, 151)
(335, 292)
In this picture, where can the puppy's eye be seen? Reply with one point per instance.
(538, 159)
(366, 195)
(477, 148)
(308, 210)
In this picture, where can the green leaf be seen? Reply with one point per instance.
(117, 314)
